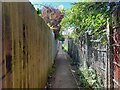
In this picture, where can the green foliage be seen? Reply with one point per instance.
(84, 15)
(51, 70)
(38, 11)
(52, 16)
(89, 77)
(64, 47)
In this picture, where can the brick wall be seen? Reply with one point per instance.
(116, 45)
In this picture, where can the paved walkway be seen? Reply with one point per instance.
(63, 76)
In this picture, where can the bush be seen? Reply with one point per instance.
(89, 77)
(64, 47)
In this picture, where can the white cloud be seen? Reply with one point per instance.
(61, 7)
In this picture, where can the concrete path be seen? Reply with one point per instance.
(63, 76)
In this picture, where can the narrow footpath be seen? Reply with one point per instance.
(63, 77)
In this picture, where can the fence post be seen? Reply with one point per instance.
(88, 48)
(109, 63)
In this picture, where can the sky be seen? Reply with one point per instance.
(53, 0)
(66, 5)
(58, 3)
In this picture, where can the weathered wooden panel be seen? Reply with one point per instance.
(86, 52)
(1, 45)
(28, 47)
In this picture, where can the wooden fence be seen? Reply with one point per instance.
(28, 46)
(84, 51)
(0, 45)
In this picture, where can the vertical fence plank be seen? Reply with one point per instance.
(8, 45)
(109, 63)
(3, 47)
(1, 61)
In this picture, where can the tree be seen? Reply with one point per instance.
(52, 17)
(88, 17)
